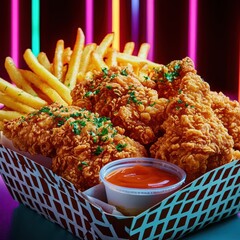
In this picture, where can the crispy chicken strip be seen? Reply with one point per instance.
(119, 94)
(228, 112)
(195, 139)
(33, 133)
(79, 141)
(85, 144)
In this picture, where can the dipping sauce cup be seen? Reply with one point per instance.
(135, 184)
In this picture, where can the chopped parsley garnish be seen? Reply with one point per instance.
(120, 147)
(98, 150)
(104, 139)
(47, 110)
(60, 123)
(90, 93)
(76, 114)
(132, 98)
(103, 132)
(109, 87)
(171, 76)
(113, 76)
(97, 91)
(114, 133)
(76, 126)
(81, 164)
(152, 104)
(105, 72)
(98, 121)
(177, 67)
(124, 72)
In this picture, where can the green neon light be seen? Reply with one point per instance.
(36, 27)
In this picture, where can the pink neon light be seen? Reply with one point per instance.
(109, 17)
(192, 30)
(15, 31)
(89, 21)
(150, 27)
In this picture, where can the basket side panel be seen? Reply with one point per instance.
(62, 205)
(210, 198)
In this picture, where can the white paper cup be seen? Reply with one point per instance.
(132, 201)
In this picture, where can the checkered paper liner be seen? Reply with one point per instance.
(210, 198)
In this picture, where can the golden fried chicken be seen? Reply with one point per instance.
(79, 142)
(228, 112)
(166, 80)
(117, 93)
(194, 139)
(33, 133)
(85, 144)
(236, 154)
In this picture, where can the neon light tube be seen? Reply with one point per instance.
(15, 31)
(150, 27)
(135, 20)
(89, 21)
(116, 23)
(36, 27)
(109, 16)
(192, 30)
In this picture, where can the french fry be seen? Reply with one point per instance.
(46, 76)
(17, 78)
(44, 61)
(105, 44)
(71, 76)
(143, 50)
(9, 114)
(15, 105)
(57, 67)
(46, 89)
(135, 60)
(128, 48)
(67, 55)
(111, 57)
(98, 61)
(99, 53)
(86, 57)
(18, 95)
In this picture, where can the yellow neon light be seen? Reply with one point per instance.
(116, 23)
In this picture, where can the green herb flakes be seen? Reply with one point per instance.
(120, 147)
(98, 150)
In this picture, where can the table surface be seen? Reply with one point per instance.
(18, 222)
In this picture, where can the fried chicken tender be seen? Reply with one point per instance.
(195, 138)
(85, 144)
(117, 93)
(79, 141)
(228, 112)
(33, 133)
(166, 80)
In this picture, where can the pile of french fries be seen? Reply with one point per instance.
(48, 81)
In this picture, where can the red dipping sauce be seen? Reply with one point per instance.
(139, 176)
